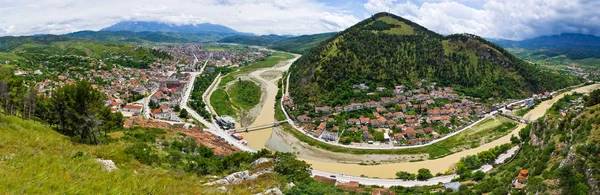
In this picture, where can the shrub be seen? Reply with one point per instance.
(424, 174)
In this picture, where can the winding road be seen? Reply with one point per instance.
(351, 172)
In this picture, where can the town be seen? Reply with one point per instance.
(414, 116)
(163, 81)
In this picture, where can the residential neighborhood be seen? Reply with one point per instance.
(412, 116)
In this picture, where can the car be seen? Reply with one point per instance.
(332, 176)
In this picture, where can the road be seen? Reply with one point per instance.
(213, 128)
(385, 182)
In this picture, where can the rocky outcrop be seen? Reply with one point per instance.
(109, 165)
(271, 191)
(260, 161)
(239, 177)
(591, 181)
(571, 157)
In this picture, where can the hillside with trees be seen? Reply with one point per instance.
(263, 40)
(62, 52)
(557, 50)
(386, 50)
(301, 44)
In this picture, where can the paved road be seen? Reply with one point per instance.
(385, 182)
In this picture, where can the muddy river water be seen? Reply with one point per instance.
(257, 139)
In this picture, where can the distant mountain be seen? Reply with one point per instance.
(557, 49)
(563, 41)
(301, 44)
(386, 50)
(148, 37)
(141, 26)
(263, 40)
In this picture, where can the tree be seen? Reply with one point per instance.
(293, 169)
(424, 174)
(478, 175)
(405, 175)
(514, 139)
(183, 113)
(593, 98)
(29, 103)
(472, 162)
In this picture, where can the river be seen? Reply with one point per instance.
(257, 139)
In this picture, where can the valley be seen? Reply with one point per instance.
(376, 104)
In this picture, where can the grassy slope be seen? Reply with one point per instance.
(38, 160)
(485, 132)
(221, 103)
(245, 94)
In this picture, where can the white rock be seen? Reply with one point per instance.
(260, 161)
(109, 165)
(222, 188)
(291, 185)
(272, 191)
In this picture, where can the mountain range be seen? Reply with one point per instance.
(557, 50)
(386, 50)
(142, 26)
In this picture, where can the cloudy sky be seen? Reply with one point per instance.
(508, 19)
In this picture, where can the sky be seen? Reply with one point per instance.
(505, 19)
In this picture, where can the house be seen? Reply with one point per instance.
(322, 126)
(381, 191)
(162, 113)
(357, 106)
(304, 119)
(520, 181)
(371, 104)
(353, 121)
(339, 109)
(399, 115)
(381, 109)
(331, 136)
(136, 109)
(324, 110)
(410, 133)
(428, 130)
(430, 102)
(364, 120)
(326, 180)
(350, 186)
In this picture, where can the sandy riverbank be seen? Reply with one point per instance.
(257, 139)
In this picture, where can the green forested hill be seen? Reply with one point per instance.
(386, 50)
(62, 49)
(263, 40)
(301, 44)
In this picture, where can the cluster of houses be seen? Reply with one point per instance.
(393, 113)
(225, 58)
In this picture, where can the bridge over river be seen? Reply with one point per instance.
(515, 118)
(259, 127)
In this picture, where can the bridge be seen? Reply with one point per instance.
(259, 127)
(515, 118)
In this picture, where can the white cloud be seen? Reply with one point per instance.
(256, 16)
(509, 19)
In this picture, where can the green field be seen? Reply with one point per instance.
(245, 94)
(221, 103)
(487, 131)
